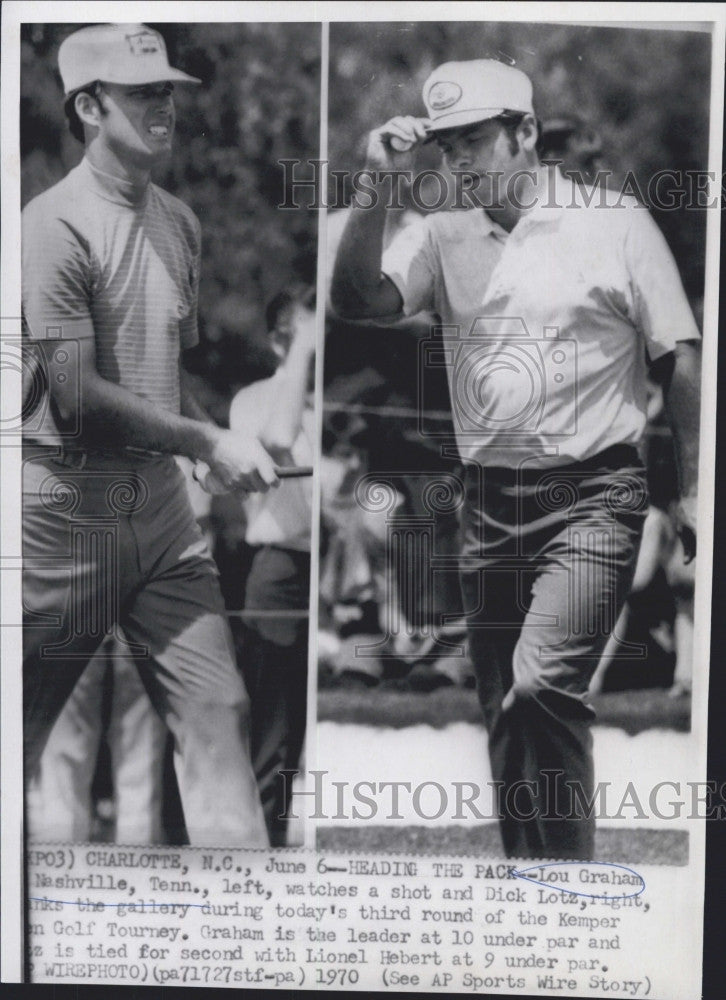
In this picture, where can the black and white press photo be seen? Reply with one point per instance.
(358, 376)
(168, 337)
(517, 235)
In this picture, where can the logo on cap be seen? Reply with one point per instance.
(143, 43)
(444, 94)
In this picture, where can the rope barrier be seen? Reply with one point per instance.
(287, 614)
(387, 411)
(443, 415)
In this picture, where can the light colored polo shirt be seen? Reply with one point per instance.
(283, 516)
(104, 258)
(546, 328)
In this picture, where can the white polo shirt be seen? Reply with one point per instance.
(546, 328)
(283, 516)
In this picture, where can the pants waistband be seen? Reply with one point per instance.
(615, 457)
(125, 459)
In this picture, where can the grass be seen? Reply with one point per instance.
(627, 846)
(632, 711)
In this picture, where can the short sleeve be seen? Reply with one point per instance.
(661, 307)
(410, 263)
(56, 279)
(188, 328)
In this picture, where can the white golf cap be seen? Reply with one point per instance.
(116, 53)
(462, 93)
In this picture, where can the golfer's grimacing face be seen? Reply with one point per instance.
(139, 122)
(483, 149)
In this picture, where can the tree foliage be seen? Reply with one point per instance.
(646, 91)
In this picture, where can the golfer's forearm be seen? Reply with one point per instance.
(112, 414)
(682, 403)
(358, 289)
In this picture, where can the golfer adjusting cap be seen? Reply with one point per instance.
(116, 53)
(462, 93)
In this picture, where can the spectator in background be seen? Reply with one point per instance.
(682, 579)
(279, 411)
(639, 651)
(652, 642)
(353, 576)
(60, 805)
(362, 595)
(571, 142)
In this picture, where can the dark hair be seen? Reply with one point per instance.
(287, 297)
(556, 133)
(511, 120)
(573, 144)
(74, 122)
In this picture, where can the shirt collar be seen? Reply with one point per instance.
(115, 189)
(557, 193)
(491, 227)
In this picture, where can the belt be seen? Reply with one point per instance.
(96, 458)
(617, 456)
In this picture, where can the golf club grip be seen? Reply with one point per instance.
(293, 471)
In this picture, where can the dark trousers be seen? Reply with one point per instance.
(274, 663)
(548, 559)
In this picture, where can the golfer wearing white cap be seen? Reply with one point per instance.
(110, 277)
(551, 302)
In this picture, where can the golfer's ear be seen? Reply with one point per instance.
(88, 109)
(528, 132)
